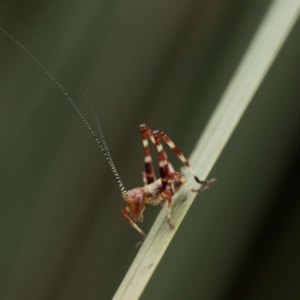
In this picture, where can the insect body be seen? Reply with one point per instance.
(154, 191)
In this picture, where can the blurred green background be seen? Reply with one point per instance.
(166, 64)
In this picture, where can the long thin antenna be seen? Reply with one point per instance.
(102, 146)
(99, 128)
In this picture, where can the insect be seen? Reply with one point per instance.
(157, 191)
(154, 191)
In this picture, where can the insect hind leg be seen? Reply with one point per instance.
(175, 149)
(149, 174)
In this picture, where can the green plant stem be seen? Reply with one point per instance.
(261, 53)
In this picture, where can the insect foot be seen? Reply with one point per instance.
(144, 236)
(206, 184)
(170, 224)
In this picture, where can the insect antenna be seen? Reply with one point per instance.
(101, 135)
(101, 143)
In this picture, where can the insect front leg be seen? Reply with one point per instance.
(125, 212)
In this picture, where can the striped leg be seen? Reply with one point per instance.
(149, 174)
(164, 169)
(175, 149)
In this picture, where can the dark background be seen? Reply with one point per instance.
(164, 63)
